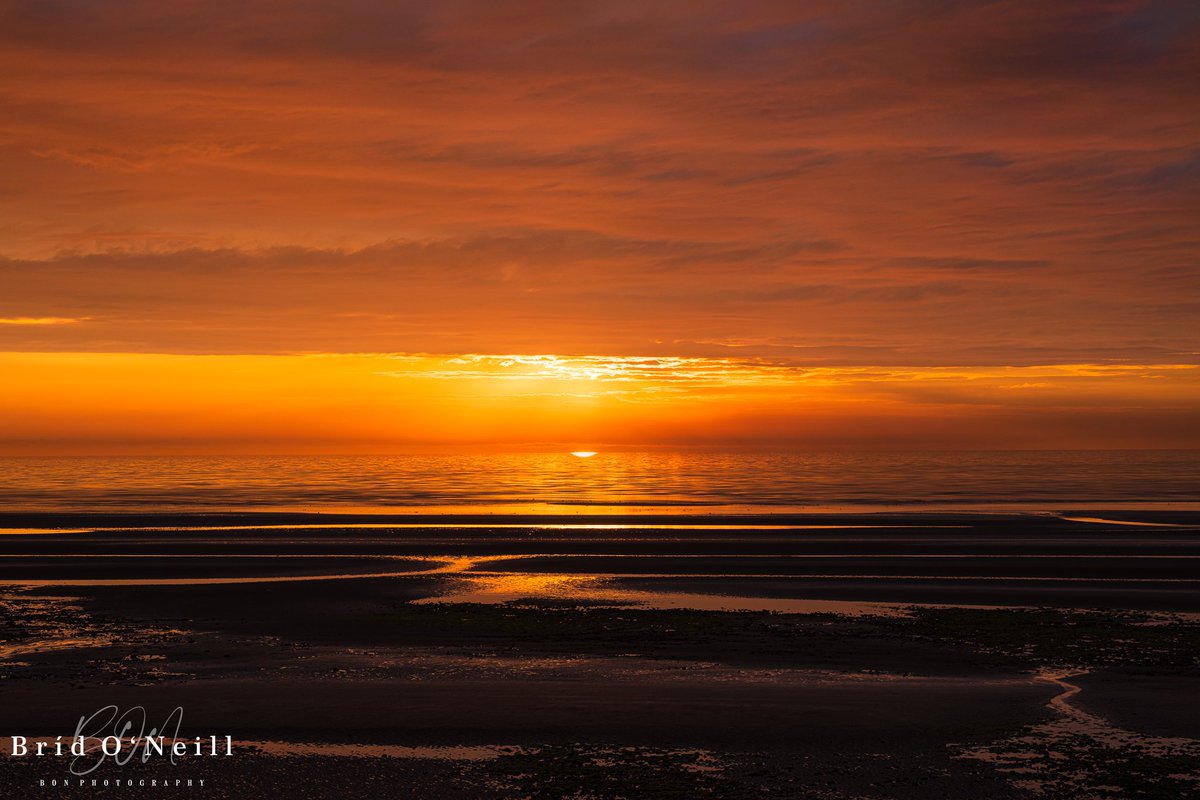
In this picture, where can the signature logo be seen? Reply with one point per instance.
(121, 736)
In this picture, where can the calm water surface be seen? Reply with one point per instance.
(552, 481)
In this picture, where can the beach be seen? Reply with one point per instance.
(820, 655)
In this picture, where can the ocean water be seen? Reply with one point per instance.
(562, 483)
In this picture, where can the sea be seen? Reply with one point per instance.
(609, 482)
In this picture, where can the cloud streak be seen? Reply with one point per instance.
(39, 321)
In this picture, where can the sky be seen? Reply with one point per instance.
(300, 226)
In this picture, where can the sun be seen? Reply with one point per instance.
(583, 453)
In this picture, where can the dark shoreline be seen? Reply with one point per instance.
(569, 663)
(999, 560)
(207, 517)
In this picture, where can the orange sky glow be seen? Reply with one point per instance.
(298, 227)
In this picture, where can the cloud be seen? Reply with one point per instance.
(39, 320)
(970, 263)
(911, 182)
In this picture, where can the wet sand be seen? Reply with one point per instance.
(629, 662)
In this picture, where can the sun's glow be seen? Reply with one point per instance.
(170, 403)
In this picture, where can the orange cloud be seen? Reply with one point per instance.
(896, 185)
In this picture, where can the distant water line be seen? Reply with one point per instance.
(684, 482)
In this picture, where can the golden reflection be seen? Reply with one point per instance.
(531, 526)
(523, 584)
(496, 588)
